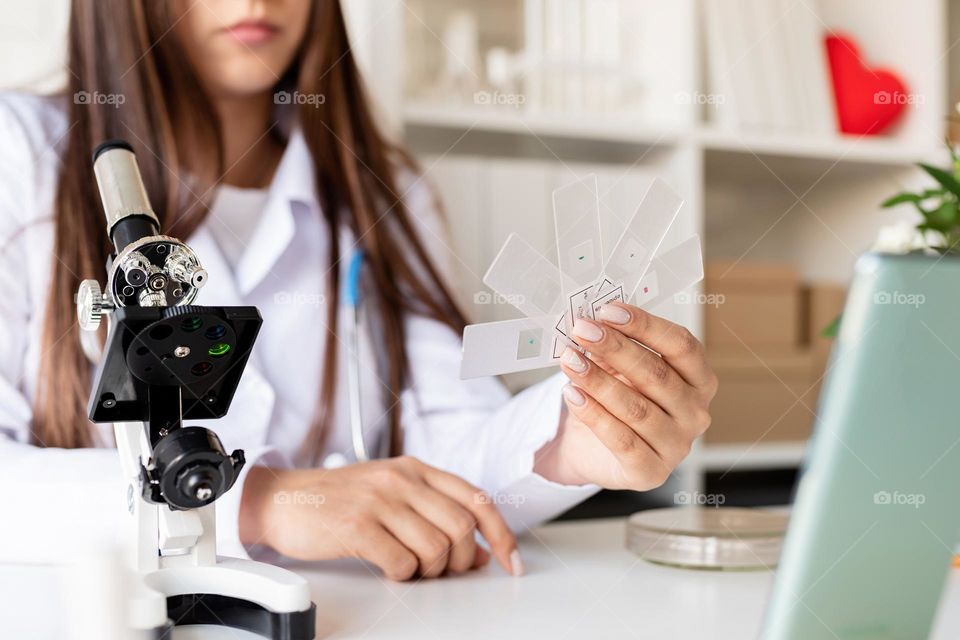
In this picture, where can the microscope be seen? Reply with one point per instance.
(165, 361)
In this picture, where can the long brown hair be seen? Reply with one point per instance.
(121, 47)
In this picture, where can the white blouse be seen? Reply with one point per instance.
(233, 218)
(55, 502)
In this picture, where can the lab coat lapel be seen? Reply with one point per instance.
(248, 419)
(293, 182)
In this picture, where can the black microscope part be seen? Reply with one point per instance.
(190, 469)
(107, 145)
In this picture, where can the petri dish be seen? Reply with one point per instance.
(718, 538)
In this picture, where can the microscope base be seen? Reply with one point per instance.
(243, 594)
(197, 608)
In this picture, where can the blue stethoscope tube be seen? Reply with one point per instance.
(351, 298)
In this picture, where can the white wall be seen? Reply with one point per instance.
(33, 44)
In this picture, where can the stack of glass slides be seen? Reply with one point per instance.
(553, 297)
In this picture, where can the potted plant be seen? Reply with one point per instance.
(938, 231)
(939, 208)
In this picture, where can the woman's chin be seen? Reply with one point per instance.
(242, 83)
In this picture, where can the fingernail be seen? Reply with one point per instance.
(587, 330)
(573, 360)
(613, 313)
(516, 563)
(573, 395)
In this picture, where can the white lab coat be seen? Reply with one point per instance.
(54, 502)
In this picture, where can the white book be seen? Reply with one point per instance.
(601, 54)
(781, 112)
(797, 60)
(746, 68)
(719, 77)
(814, 68)
(552, 78)
(533, 44)
(573, 55)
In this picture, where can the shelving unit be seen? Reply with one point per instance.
(623, 131)
(771, 195)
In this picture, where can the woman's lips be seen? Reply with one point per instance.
(252, 32)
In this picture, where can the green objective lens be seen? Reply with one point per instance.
(191, 323)
(219, 349)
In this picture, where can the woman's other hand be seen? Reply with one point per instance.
(402, 515)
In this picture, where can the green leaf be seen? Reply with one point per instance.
(949, 183)
(923, 212)
(914, 198)
(832, 329)
(900, 198)
(954, 159)
(943, 218)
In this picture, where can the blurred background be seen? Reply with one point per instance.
(783, 123)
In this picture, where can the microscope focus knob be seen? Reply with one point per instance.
(90, 305)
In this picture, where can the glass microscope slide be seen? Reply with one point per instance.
(576, 212)
(493, 348)
(677, 269)
(526, 279)
(638, 246)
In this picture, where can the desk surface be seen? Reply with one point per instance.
(581, 582)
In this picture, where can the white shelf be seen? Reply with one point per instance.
(504, 120)
(740, 457)
(840, 148)
(624, 130)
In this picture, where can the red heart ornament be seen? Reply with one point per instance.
(869, 101)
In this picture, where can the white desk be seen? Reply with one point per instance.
(581, 582)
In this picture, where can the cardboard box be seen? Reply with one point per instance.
(754, 304)
(758, 396)
(822, 303)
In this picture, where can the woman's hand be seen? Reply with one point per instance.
(632, 414)
(402, 515)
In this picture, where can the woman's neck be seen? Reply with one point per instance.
(251, 142)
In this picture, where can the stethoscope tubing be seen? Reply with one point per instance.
(351, 297)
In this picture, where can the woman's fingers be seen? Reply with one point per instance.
(644, 369)
(603, 364)
(379, 546)
(427, 542)
(626, 406)
(456, 522)
(675, 343)
(400, 514)
(634, 453)
(490, 523)
(638, 366)
(644, 390)
(481, 559)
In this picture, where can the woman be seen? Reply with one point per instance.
(258, 148)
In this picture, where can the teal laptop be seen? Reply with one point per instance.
(877, 509)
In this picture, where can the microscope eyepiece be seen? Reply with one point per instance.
(125, 202)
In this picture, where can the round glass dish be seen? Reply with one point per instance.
(721, 538)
